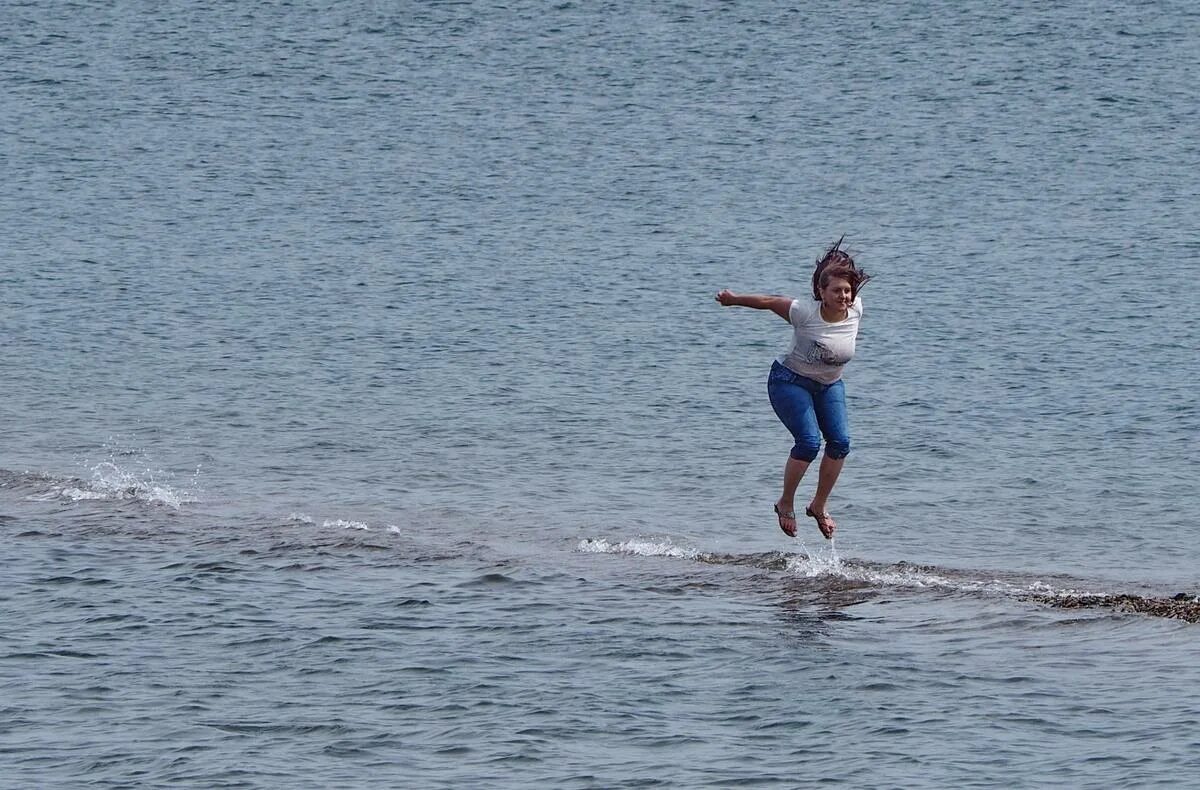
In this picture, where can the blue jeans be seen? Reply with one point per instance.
(810, 410)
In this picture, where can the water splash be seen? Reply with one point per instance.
(812, 564)
(111, 481)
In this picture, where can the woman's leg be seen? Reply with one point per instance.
(830, 407)
(794, 406)
(827, 476)
(793, 473)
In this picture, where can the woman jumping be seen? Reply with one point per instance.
(805, 384)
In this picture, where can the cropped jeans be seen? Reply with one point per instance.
(810, 410)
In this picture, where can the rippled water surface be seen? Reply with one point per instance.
(366, 418)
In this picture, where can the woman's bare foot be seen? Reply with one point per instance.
(825, 522)
(787, 521)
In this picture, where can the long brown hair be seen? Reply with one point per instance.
(836, 262)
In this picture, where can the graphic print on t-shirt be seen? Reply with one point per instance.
(819, 353)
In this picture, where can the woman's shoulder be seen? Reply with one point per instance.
(803, 309)
(807, 306)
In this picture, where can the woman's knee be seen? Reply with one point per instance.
(805, 450)
(837, 448)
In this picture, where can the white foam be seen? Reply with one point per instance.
(641, 547)
(917, 578)
(831, 565)
(344, 524)
(79, 494)
(1043, 589)
(301, 518)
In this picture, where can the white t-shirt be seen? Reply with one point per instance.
(820, 349)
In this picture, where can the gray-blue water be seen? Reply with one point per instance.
(366, 419)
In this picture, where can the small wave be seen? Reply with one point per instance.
(79, 494)
(898, 575)
(638, 546)
(344, 524)
(905, 575)
(333, 523)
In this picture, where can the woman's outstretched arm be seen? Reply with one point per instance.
(779, 305)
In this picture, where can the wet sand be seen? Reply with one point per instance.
(1182, 606)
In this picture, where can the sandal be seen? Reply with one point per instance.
(825, 522)
(785, 515)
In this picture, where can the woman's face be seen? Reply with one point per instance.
(835, 294)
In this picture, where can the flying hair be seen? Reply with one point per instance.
(836, 262)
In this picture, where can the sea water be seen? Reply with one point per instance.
(366, 418)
